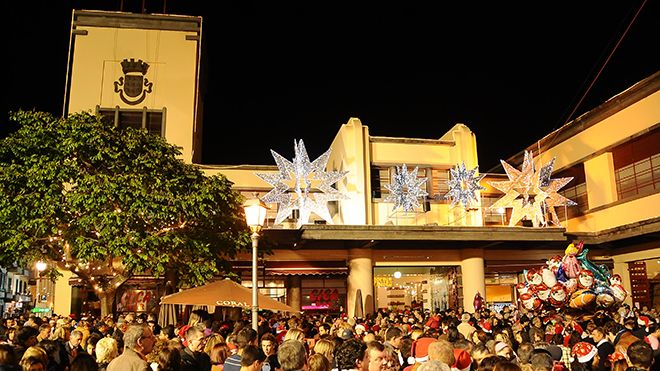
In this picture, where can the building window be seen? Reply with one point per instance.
(151, 120)
(436, 181)
(575, 190)
(637, 165)
(493, 216)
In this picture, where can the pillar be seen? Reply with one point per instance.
(360, 276)
(472, 273)
(294, 292)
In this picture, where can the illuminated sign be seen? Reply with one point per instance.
(136, 300)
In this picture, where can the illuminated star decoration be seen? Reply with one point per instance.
(552, 187)
(463, 184)
(405, 189)
(302, 185)
(522, 192)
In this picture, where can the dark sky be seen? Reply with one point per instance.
(281, 70)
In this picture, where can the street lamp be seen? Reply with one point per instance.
(41, 266)
(255, 214)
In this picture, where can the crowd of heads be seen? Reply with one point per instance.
(404, 340)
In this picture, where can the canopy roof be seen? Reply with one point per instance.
(223, 293)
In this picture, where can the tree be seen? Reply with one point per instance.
(108, 203)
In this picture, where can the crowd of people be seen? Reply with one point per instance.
(405, 340)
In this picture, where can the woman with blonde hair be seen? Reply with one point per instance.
(106, 350)
(211, 341)
(318, 362)
(31, 354)
(325, 347)
(295, 334)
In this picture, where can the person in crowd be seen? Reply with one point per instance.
(640, 355)
(169, 359)
(605, 348)
(35, 352)
(8, 360)
(583, 353)
(26, 337)
(32, 364)
(193, 357)
(252, 358)
(393, 337)
(90, 347)
(246, 336)
(44, 332)
(465, 328)
(292, 355)
(106, 350)
(84, 362)
(138, 342)
(269, 347)
(349, 355)
(73, 347)
(219, 354)
(318, 362)
(327, 348)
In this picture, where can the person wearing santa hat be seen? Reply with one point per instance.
(583, 354)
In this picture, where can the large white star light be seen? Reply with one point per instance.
(463, 184)
(405, 189)
(523, 193)
(552, 187)
(302, 185)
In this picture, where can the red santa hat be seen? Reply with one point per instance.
(420, 350)
(644, 321)
(486, 326)
(583, 352)
(463, 360)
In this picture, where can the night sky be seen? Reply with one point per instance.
(276, 71)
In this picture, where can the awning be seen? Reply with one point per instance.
(287, 268)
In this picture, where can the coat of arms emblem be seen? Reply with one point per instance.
(130, 86)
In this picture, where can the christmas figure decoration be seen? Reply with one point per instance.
(549, 278)
(570, 264)
(478, 301)
(463, 185)
(571, 283)
(405, 189)
(530, 302)
(543, 292)
(522, 192)
(533, 277)
(312, 185)
(554, 263)
(585, 279)
(558, 295)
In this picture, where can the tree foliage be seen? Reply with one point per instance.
(108, 202)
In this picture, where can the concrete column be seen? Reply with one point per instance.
(62, 295)
(472, 273)
(360, 276)
(294, 292)
(621, 268)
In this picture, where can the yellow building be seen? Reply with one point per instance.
(143, 70)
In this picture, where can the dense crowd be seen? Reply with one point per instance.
(407, 340)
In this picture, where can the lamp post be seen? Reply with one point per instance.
(255, 214)
(40, 266)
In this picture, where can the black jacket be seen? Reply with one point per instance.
(194, 361)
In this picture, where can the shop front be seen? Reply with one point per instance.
(423, 287)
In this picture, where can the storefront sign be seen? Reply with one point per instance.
(231, 303)
(322, 298)
(383, 281)
(135, 300)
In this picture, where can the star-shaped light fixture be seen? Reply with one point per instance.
(552, 187)
(405, 189)
(302, 185)
(522, 192)
(463, 184)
